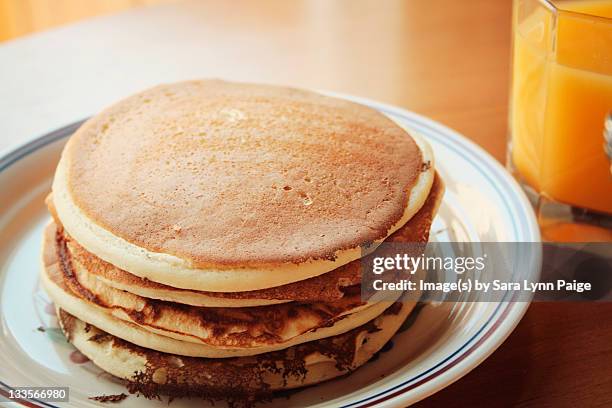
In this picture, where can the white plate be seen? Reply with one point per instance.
(482, 203)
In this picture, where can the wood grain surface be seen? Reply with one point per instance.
(447, 59)
(20, 17)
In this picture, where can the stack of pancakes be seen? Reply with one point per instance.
(207, 236)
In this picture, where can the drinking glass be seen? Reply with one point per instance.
(561, 97)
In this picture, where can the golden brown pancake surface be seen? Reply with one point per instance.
(225, 174)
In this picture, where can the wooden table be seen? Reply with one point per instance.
(446, 59)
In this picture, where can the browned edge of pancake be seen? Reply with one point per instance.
(328, 287)
(236, 379)
(230, 327)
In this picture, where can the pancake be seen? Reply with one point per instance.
(211, 332)
(140, 336)
(153, 373)
(226, 187)
(222, 327)
(323, 288)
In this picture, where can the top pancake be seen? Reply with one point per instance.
(328, 287)
(220, 176)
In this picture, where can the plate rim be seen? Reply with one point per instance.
(483, 343)
(496, 332)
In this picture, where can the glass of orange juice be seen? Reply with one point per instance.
(561, 97)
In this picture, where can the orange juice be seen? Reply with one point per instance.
(561, 94)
